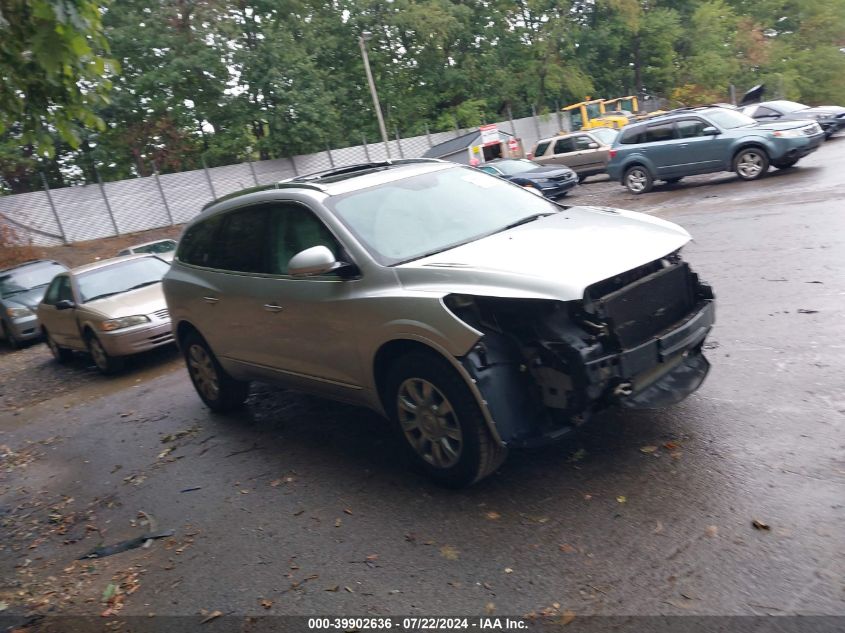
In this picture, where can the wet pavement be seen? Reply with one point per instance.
(732, 502)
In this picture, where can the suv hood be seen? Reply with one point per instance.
(555, 257)
(783, 124)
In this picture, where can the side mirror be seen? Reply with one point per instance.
(65, 304)
(710, 131)
(317, 260)
(593, 145)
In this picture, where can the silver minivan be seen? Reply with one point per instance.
(476, 316)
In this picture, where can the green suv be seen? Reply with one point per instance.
(703, 140)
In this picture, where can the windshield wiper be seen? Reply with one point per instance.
(104, 295)
(146, 283)
(524, 220)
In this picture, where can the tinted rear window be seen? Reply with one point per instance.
(631, 136)
(660, 132)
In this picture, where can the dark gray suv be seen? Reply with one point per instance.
(703, 140)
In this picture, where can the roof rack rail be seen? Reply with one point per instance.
(351, 169)
(312, 181)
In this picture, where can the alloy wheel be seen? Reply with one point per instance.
(203, 372)
(429, 423)
(750, 164)
(636, 180)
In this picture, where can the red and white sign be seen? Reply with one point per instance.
(489, 134)
(513, 145)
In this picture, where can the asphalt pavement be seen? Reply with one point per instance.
(730, 503)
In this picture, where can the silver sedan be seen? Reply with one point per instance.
(110, 309)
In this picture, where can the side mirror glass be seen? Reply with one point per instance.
(593, 145)
(65, 304)
(317, 260)
(710, 131)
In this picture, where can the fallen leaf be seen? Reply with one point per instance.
(577, 456)
(760, 525)
(449, 553)
(338, 522)
(333, 589)
(489, 608)
(372, 557)
(508, 570)
(568, 616)
(566, 548)
(166, 452)
(266, 603)
(347, 511)
(658, 528)
(712, 531)
(648, 449)
(493, 516)
(671, 446)
(587, 497)
(109, 592)
(622, 499)
(127, 414)
(211, 616)
(276, 483)
(349, 590)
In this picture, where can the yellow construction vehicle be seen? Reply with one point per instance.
(594, 113)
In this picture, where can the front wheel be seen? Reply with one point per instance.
(217, 389)
(751, 163)
(105, 363)
(60, 354)
(12, 342)
(440, 421)
(638, 180)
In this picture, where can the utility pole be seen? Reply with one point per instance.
(362, 40)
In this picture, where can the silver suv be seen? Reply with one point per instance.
(475, 315)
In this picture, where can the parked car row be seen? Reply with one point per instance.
(109, 309)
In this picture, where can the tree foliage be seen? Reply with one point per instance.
(220, 81)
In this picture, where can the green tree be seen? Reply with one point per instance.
(55, 73)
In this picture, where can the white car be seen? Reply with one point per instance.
(163, 249)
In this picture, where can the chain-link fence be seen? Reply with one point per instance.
(86, 212)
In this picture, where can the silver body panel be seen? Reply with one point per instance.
(324, 333)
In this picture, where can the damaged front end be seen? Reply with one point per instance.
(543, 367)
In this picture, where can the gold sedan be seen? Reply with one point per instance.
(110, 309)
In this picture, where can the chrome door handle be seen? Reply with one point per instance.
(272, 307)
(210, 299)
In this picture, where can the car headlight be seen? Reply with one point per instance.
(19, 313)
(123, 322)
(788, 133)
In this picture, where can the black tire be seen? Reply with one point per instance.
(582, 178)
(785, 164)
(107, 365)
(672, 181)
(638, 180)
(62, 355)
(473, 454)
(751, 163)
(11, 341)
(216, 388)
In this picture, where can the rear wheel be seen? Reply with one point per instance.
(60, 354)
(440, 421)
(751, 163)
(638, 180)
(105, 363)
(217, 389)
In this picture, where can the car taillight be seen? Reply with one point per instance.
(612, 153)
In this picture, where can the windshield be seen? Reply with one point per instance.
(786, 107)
(165, 246)
(605, 135)
(27, 278)
(421, 215)
(120, 277)
(729, 119)
(513, 167)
